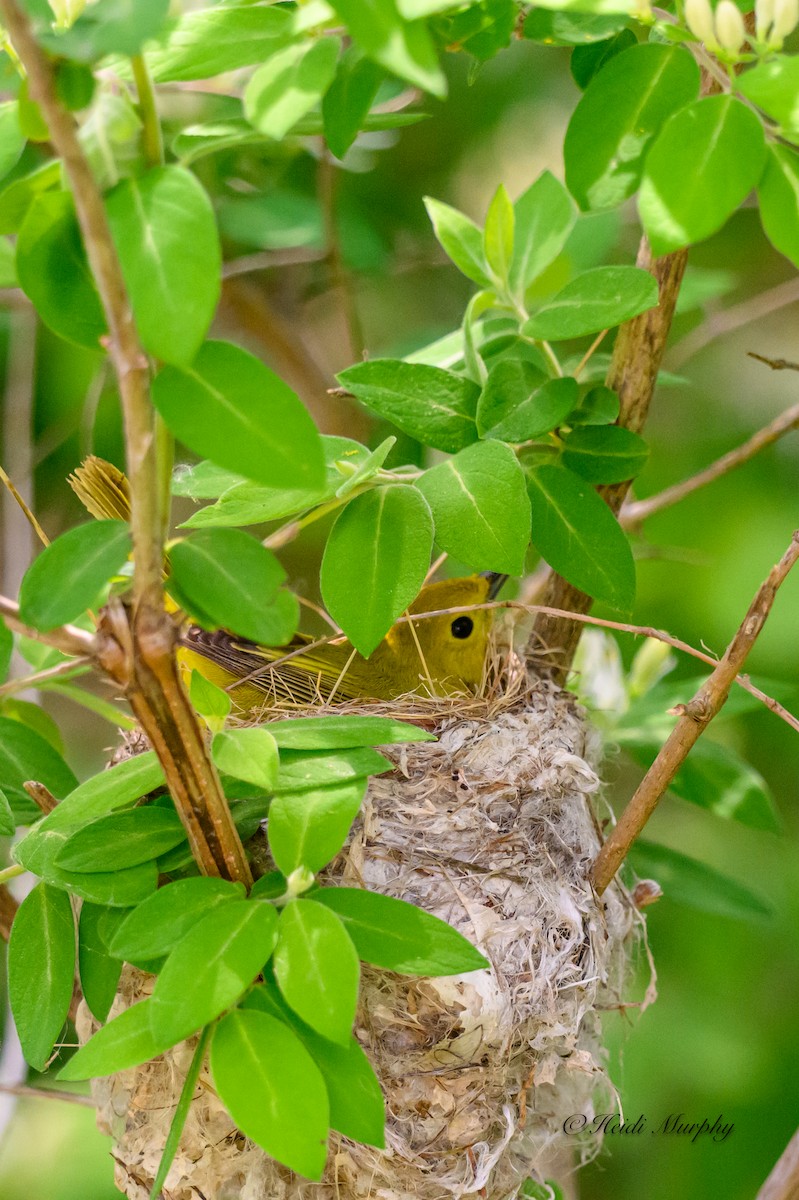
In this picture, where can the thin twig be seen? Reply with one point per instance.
(36, 1093)
(66, 638)
(597, 342)
(152, 138)
(29, 514)
(266, 260)
(732, 318)
(694, 719)
(776, 364)
(75, 666)
(633, 514)
(8, 910)
(783, 1181)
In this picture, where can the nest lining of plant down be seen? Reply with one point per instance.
(492, 828)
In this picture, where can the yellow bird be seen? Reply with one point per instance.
(443, 655)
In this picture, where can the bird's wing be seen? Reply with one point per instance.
(304, 679)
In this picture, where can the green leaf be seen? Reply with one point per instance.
(165, 234)
(773, 85)
(160, 922)
(341, 733)
(307, 829)
(12, 141)
(41, 969)
(69, 574)
(230, 577)
(317, 969)
(126, 1041)
(704, 163)
(289, 84)
(348, 99)
(375, 562)
(109, 27)
(7, 820)
(517, 404)
(597, 299)
(588, 60)
(544, 217)
(124, 838)
(498, 234)
(210, 701)
(24, 755)
(215, 40)
(460, 239)
(599, 406)
(403, 47)
(605, 453)
(570, 29)
(204, 480)
(368, 469)
(357, 1109)
(694, 883)
(248, 754)
(211, 967)
(478, 503)
(621, 112)
(99, 972)
(303, 770)
(8, 271)
(579, 537)
(434, 406)
(16, 199)
(53, 271)
(398, 936)
(778, 194)
(6, 649)
(597, 7)
(272, 1089)
(231, 408)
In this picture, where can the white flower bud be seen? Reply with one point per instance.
(66, 12)
(764, 17)
(730, 30)
(786, 18)
(699, 18)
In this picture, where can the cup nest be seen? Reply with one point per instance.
(493, 828)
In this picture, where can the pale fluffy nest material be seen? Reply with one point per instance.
(492, 828)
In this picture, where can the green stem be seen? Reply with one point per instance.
(11, 873)
(152, 139)
(181, 1112)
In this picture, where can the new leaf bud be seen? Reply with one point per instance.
(786, 18)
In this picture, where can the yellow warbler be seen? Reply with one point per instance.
(442, 655)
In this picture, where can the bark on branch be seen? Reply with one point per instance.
(633, 373)
(694, 719)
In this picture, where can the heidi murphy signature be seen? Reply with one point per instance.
(675, 1124)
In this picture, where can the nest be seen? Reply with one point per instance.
(492, 828)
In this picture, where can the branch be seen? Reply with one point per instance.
(735, 317)
(37, 1093)
(633, 373)
(694, 719)
(633, 514)
(66, 638)
(138, 652)
(8, 910)
(783, 1182)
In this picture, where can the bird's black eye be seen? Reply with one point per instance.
(462, 627)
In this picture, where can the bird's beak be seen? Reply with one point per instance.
(495, 582)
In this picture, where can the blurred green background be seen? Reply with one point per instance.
(721, 1039)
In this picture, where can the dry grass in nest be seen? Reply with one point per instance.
(492, 828)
